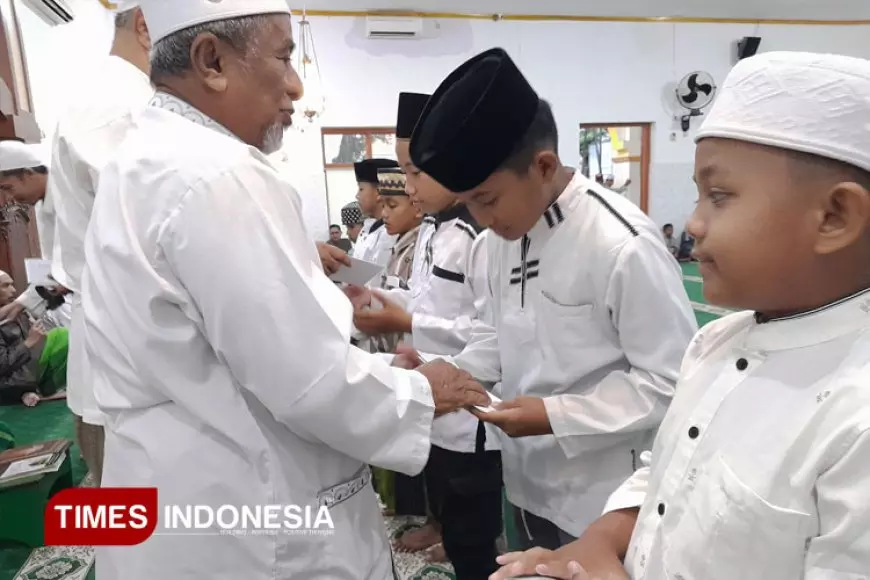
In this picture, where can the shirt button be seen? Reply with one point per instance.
(694, 432)
(742, 364)
(661, 509)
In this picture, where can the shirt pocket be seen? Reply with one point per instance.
(730, 532)
(567, 332)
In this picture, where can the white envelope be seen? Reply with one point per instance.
(493, 402)
(38, 272)
(359, 273)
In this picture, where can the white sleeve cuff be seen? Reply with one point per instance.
(560, 422)
(623, 499)
(632, 493)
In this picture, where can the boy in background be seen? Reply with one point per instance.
(374, 244)
(761, 468)
(352, 218)
(445, 299)
(402, 220)
(670, 241)
(402, 495)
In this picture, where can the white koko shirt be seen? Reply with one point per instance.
(761, 468)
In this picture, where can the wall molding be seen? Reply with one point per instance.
(569, 18)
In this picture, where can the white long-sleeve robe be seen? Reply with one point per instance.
(222, 362)
(761, 468)
(592, 317)
(92, 127)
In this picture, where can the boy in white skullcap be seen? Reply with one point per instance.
(761, 467)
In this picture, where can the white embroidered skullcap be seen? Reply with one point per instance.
(17, 155)
(165, 17)
(813, 103)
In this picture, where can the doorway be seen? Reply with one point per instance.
(617, 155)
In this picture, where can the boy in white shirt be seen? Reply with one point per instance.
(761, 467)
(580, 287)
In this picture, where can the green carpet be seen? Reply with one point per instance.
(704, 313)
(46, 421)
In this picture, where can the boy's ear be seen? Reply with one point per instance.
(547, 163)
(845, 217)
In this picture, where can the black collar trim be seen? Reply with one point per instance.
(554, 215)
(762, 319)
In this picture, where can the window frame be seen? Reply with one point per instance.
(367, 132)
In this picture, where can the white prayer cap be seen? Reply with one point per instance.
(17, 155)
(813, 103)
(165, 17)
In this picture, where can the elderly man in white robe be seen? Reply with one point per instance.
(220, 350)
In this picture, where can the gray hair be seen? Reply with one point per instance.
(171, 55)
(125, 19)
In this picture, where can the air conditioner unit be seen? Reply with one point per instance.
(393, 27)
(53, 12)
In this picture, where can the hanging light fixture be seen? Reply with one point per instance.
(313, 103)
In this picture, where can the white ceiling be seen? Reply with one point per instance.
(751, 9)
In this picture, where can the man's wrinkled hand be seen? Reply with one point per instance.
(452, 389)
(332, 258)
(538, 561)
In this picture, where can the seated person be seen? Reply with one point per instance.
(670, 241)
(687, 245)
(336, 240)
(32, 359)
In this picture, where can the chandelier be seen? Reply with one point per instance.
(313, 103)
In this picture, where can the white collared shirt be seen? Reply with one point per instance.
(581, 305)
(761, 468)
(374, 244)
(446, 298)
